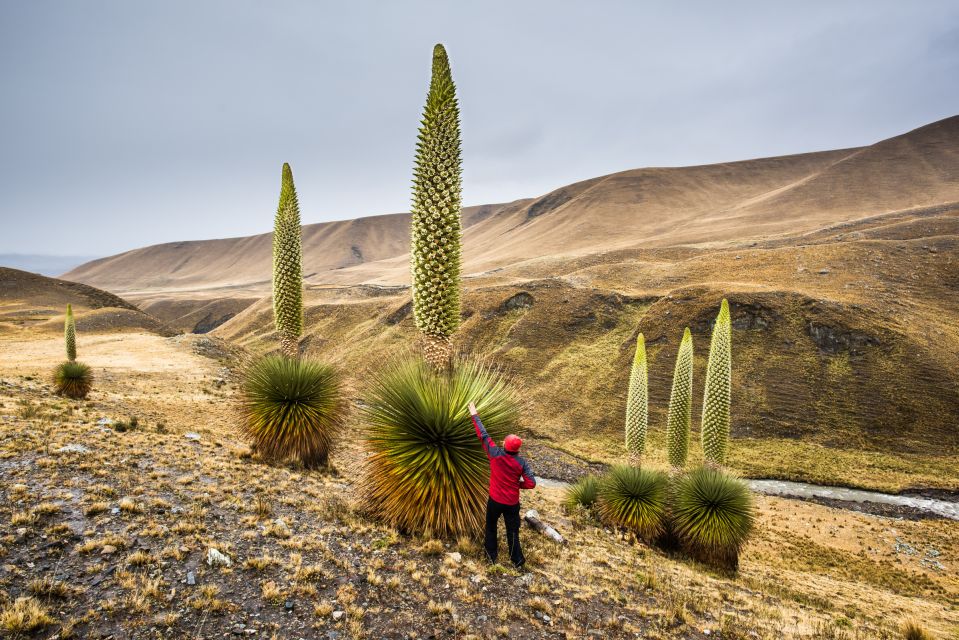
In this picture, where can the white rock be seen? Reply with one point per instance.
(73, 448)
(338, 614)
(456, 556)
(192, 436)
(216, 559)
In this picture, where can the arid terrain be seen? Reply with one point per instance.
(103, 520)
(841, 271)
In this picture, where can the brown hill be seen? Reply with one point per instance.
(840, 267)
(31, 300)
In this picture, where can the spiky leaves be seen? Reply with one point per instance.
(291, 409)
(427, 471)
(287, 267)
(637, 404)
(715, 426)
(436, 228)
(70, 334)
(73, 379)
(634, 499)
(713, 515)
(582, 494)
(681, 404)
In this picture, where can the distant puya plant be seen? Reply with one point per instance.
(291, 408)
(287, 267)
(637, 404)
(716, 397)
(71, 378)
(436, 226)
(680, 404)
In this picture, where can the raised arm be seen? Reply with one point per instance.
(481, 430)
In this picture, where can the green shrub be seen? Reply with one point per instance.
(712, 516)
(680, 404)
(716, 398)
(582, 493)
(635, 499)
(73, 379)
(428, 473)
(436, 226)
(292, 409)
(637, 403)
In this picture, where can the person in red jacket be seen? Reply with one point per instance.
(508, 473)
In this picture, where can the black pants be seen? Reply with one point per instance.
(510, 513)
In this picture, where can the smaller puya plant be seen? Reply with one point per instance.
(71, 378)
(680, 405)
(637, 405)
(291, 407)
(716, 398)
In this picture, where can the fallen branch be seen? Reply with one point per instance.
(532, 519)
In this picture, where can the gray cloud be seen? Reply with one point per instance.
(127, 124)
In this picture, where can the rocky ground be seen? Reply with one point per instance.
(111, 509)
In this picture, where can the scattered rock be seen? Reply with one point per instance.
(823, 272)
(288, 605)
(190, 435)
(107, 550)
(216, 559)
(190, 578)
(73, 448)
(456, 556)
(338, 614)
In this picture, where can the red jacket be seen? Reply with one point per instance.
(508, 472)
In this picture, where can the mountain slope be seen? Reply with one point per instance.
(723, 203)
(29, 300)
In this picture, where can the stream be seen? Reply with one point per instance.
(789, 489)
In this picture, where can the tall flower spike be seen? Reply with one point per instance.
(637, 404)
(681, 404)
(716, 399)
(70, 334)
(436, 228)
(287, 268)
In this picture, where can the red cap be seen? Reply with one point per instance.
(512, 443)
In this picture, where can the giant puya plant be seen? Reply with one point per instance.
(291, 407)
(426, 470)
(71, 378)
(436, 227)
(680, 404)
(637, 404)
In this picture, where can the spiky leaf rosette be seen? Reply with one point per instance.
(70, 334)
(291, 408)
(637, 404)
(681, 404)
(713, 515)
(715, 426)
(427, 470)
(287, 267)
(582, 494)
(635, 499)
(436, 228)
(73, 379)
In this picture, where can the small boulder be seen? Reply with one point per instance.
(216, 559)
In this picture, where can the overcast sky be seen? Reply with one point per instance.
(127, 123)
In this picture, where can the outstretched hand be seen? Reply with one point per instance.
(472, 408)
